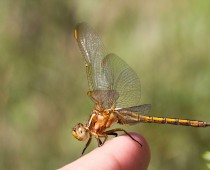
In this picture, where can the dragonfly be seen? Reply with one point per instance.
(114, 87)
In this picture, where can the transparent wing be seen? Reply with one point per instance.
(123, 80)
(141, 109)
(131, 115)
(93, 51)
(111, 80)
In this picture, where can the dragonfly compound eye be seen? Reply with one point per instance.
(79, 132)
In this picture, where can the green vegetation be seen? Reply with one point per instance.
(43, 84)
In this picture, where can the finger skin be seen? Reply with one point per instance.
(120, 153)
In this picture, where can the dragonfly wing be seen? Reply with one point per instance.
(122, 83)
(93, 51)
(141, 109)
(131, 115)
(123, 80)
(107, 72)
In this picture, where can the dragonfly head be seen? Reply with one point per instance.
(80, 132)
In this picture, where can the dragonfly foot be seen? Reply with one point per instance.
(113, 132)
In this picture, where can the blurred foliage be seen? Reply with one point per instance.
(43, 85)
(206, 156)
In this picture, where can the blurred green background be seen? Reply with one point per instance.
(43, 83)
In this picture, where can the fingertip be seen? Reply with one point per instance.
(129, 153)
(118, 153)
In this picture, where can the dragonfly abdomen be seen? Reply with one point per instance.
(173, 121)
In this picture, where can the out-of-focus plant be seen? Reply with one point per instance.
(206, 156)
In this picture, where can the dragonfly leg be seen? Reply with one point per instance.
(99, 142)
(87, 144)
(113, 132)
(106, 136)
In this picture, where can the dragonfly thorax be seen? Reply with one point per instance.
(100, 120)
